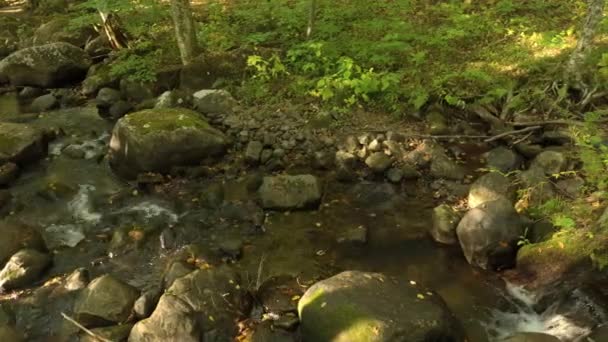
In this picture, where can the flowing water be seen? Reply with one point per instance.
(81, 203)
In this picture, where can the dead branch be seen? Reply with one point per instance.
(509, 133)
(87, 331)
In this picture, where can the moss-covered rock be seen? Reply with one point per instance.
(58, 30)
(20, 143)
(359, 306)
(157, 139)
(46, 66)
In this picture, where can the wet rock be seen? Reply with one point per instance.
(421, 156)
(489, 187)
(119, 109)
(290, 192)
(378, 162)
(231, 249)
(106, 97)
(23, 268)
(360, 306)
(15, 236)
(168, 99)
(395, 175)
(445, 221)
(98, 47)
(253, 152)
(157, 140)
(176, 270)
(437, 123)
(136, 91)
(77, 280)
(145, 304)
(276, 295)
(488, 234)
(8, 173)
(442, 166)
(20, 143)
(345, 166)
(10, 334)
(116, 333)
(63, 235)
(213, 101)
(354, 236)
(550, 162)
(188, 308)
(44, 103)
(531, 337)
(45, 66)
(74, 152)
(106, 300)
(502, 159)
(98, 77)
(30, 93)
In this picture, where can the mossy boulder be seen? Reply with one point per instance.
(20, 143)
(360, 306)
(46, 66)
(16, 236)
(58, 30)
(156, 140)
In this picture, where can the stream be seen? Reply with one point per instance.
(86, 213)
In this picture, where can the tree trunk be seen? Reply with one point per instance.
(311, 18)
(184, 29)
(574, 72)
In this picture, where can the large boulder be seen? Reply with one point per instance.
(46, 66)
(488, 234)
(104, 301)
(16, 236)
(58, 30)
(550, 162)
(196, 304)
(20, 143)
(361, 306)
(286, 192)
(23, 268)
(489, 187)
(503, 159)
(157, 139)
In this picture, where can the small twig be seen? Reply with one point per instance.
(518, 131)
(522, 139)
(258, 281)
(429, 136)
(87, 331)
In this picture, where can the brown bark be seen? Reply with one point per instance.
(184, 29)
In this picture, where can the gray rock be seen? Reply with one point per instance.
(113, 333)
(159, 139)
(290, 192)
(445, 221)
(503, 159)
(23, 268)
(231, 249)
(253, 152)
(360, 306)
(489, 187)
(537, 186)
(571, 186)
(323, 160)
(531, 337)
(177, 270)
(168, 99)
(98, 47)
(410, 172)
(528, 150)
(20, 143)
(77, 280)
(558, 137)
(8, 173)
(119, 109)
(345, 166)
(214, 101)
(30, 93)
(189, 309)
(395, 175)
(354, 236)
(378, 162)
(145, 304)
(98, 77)
(374, 146)
(437, 123)
(136, 91)
(106, 299)
(443, 167)
(488, 234)
(106, 97)
(46, 66)
(550, 162)
(59, 30)
(265, 156)
(16, 236)
(74, 152)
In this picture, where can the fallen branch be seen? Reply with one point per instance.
(550, 122)
(517, 131)
(522, 139)
(87, 331)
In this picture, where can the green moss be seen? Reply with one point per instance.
(166, 119)
(566, 246)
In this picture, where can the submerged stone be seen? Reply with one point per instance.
(158, 139)
(290, 192)
(20, 143)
